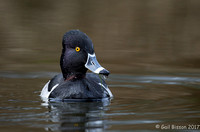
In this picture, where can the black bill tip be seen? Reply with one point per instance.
(104, 72)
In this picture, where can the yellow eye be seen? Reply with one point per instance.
(77, 49)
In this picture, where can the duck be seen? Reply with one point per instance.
(74, 82)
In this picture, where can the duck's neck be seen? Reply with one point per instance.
(69, 74)
(74, 77)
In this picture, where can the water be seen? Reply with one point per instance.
(141, 102)
(151, 49)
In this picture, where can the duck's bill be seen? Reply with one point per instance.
(93, 65)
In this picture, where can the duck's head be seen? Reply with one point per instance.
(78, 56)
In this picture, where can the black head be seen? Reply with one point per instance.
(75, 57)
(76, 38)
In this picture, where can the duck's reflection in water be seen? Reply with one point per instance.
(79, 116)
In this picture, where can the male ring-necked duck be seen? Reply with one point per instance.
(74, 83)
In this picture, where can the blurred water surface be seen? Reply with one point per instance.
(151, 49)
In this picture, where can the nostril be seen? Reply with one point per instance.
(93, 63)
